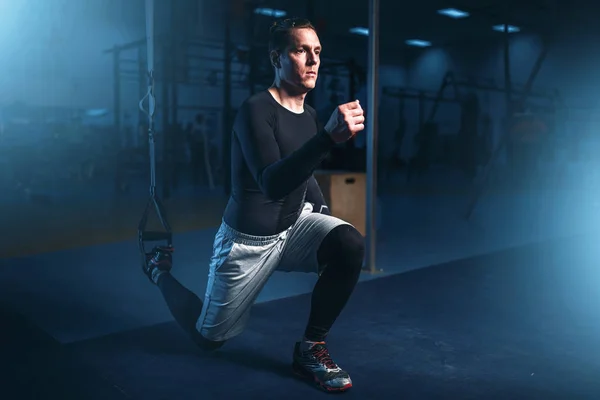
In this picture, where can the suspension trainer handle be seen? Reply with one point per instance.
(145, 236)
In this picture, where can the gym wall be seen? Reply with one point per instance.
(61, 61)
(569, 68)
(52, 50)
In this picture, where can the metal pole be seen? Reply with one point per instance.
(372, 108)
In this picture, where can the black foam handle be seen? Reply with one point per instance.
(151, 236)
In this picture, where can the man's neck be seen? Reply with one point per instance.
(289, 99)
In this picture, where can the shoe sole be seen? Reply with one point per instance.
(304, 374)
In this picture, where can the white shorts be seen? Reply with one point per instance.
(242, 264)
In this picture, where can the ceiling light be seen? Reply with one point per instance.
(418, 43)
(270, 12)
(510, 28)
(360, 31)
(453, 13)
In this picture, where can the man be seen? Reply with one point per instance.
(276, 218)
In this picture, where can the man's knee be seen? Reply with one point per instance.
(206, 344)
(344, 243)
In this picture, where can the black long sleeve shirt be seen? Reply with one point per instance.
(274, 153)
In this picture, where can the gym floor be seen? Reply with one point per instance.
(501, 306)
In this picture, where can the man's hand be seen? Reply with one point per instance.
(346, 121)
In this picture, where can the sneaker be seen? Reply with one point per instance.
(160, 259)
(316, 365)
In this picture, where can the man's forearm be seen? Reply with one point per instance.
(284, 176)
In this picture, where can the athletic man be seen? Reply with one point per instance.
(276, 218)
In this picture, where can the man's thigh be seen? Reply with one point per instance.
(239, 269)
(303, 240)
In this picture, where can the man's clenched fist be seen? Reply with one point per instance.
(346, 121)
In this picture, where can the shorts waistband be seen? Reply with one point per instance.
(249, 240)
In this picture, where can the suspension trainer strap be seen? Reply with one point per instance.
(153, 202)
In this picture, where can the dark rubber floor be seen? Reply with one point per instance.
(520, 324)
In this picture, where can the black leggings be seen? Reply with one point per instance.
(341, 253)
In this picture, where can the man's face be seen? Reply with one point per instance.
(299, 62)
